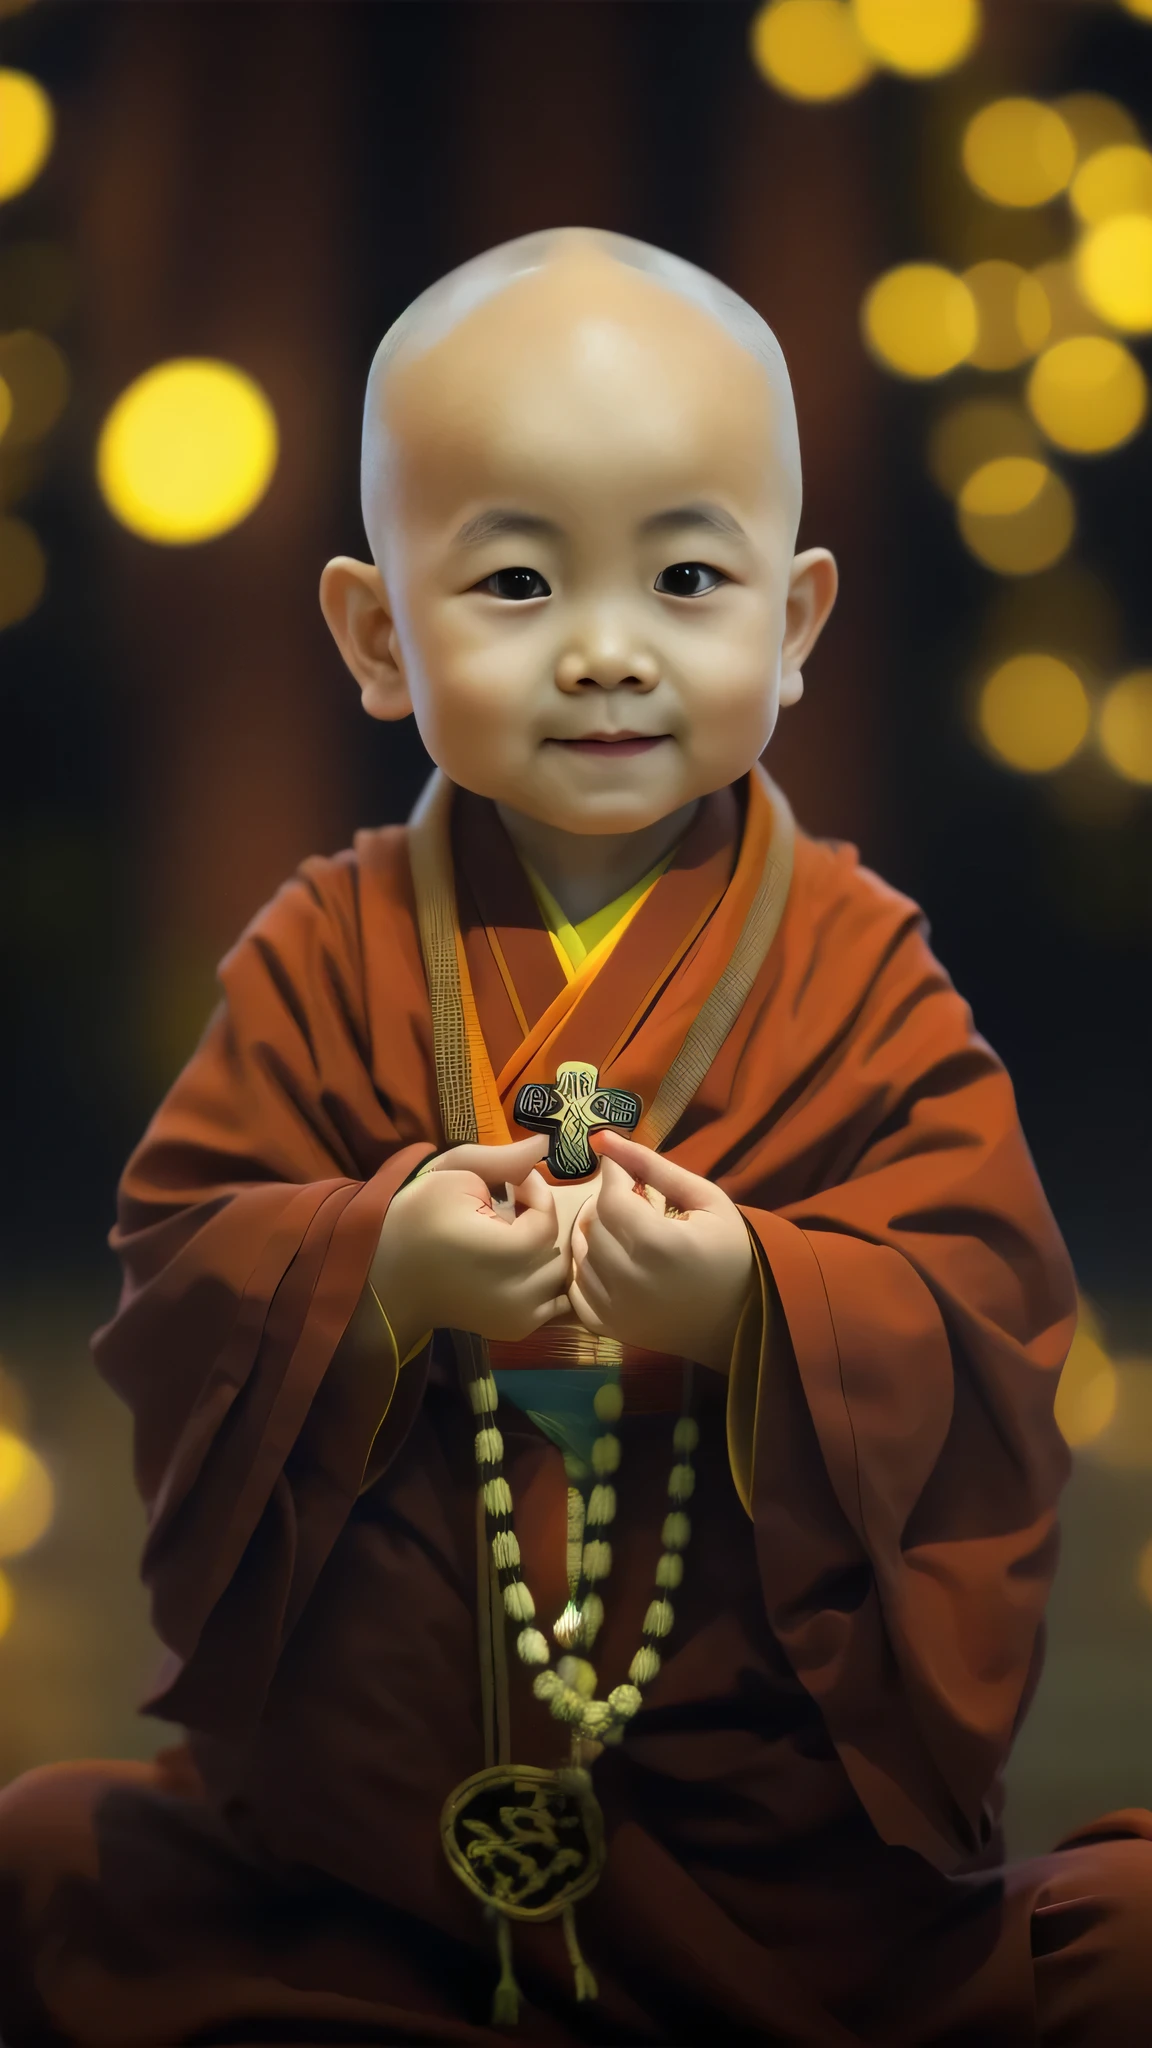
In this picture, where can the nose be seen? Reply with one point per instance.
(602, 655)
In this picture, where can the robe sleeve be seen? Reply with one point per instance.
(891, 1399)
(262, 1377)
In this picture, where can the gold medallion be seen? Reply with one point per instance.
(527, 1841)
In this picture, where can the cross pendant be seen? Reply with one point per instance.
(569, 1110)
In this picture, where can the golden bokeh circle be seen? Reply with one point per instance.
(5, 407)
(809, 49)
(1087, 1391)
(27, 129)
(187, 451)
(1142, 9)
(36, 374)
(920, 38)
(1018, 152)
(7, 1603)
(1033, 714)
(1114, 180)
(23, 571)
(1124, 727)
(1114, 271)
(27, 1496)
(1096, 121)
(975, 432)
(1004, 331)
(1016, 515)
(920, 320)
(1088, 394)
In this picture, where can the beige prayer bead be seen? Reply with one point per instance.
(597, 1559)
(644, 1666)
(670, 1570)
(505, 1550)
(605, 1455)
(677, 1532)
(518, 1602)
(602, 1505)
(608, 1401)
(625, 1701)
(489, 1447)
(681, 1481)
(658, 1618)
(497, 1496)
(532, 1647)
(592, 1616)
(685, 1436)
(579, 1674)
(483, 1395)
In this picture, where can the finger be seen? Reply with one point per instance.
(495, 1164)
(682, 1189)
(626, 1214)
(584, 1310)
(533, 1192)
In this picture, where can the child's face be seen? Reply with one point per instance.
(585, 536)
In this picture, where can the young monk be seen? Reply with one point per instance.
(650, 1648)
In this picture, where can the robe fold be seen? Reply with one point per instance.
(817, 1767)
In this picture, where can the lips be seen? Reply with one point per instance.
(613, 745)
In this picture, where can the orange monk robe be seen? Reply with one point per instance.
(802, 1821)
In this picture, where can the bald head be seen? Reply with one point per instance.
(570, 286)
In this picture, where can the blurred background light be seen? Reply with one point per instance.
(1006, 323)
(27, 1497)
(810, 49)
(1114, 271)
(1068, 610)
(1050, 306)
(1088, 394)
(5, 407)
(7, 1603)
(1115, 180)
(1142, 9)
(1124, 727)
(1016, 515)
(1087, 1392)
(975, 432)
(1126, 1442)
(36, 374)
(187, 451)
(23, 571)
(920, 38)
(1033, 714)
(37, 284)
(1018, 152)
(26, 131)
(1095, 121)
(920, 320)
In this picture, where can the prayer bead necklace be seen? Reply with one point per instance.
(569, 1691)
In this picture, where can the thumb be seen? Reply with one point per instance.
(683, 1190)
(494, 1164)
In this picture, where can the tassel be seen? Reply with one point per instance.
(586, 1985)
(506, 1997)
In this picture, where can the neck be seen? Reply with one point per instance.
(585, 871)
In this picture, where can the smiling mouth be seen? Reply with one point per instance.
(613, 746)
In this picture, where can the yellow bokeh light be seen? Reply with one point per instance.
(27, 127)
(23, 571)
(1126, 1444)
(810, 49)
(37, 377)
(1033, 714)
(920, 320)
(1114, 271)
(920, 38)
(1114, 180)
(26, 1496)
(1142, 9)
(974, 433)
(187, 451)
(1016, 516)
(1088, 394)
(1050, 307)
(1095, 121)
(1004, 337)
(1018, 152)
(1086, 1395)
(7, 1603)
(1125, 727)
(5, 407)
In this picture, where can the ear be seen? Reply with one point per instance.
(355, 604)
(812, 588)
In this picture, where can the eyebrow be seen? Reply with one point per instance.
(712, 518)
(500, 520)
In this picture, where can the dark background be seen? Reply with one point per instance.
(271, 184)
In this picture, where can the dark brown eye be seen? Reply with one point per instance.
(516, 584)
(688, 579)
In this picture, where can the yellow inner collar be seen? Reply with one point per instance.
(574, 942)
